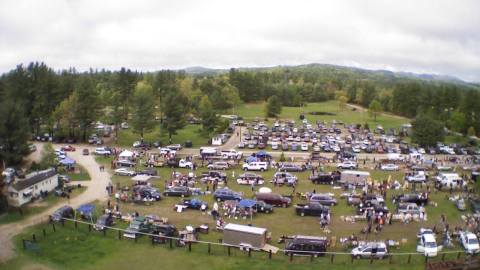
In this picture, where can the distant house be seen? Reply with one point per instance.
(217, 141)
(22, 191)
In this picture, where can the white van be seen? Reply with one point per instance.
(255, 166)
(449, 180)
(427, 243)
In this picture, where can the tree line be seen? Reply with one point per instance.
(36, 99)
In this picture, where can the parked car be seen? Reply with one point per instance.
(408, 208)
(179, 163)
(274, 199)
(427, 243)
(289, 167)
(323, 199)
(102, 151)
(103, 221)
(284, 178)
(175, 147)
(194, 203)
(163, 230)
(419, 199)
(306, 245)
(324, 178)
(263, 207)
(469, 242)
(137, 226)
(255, 166)
(219, 165)
(372, 250)
(475, 204)
(225, 194)
(461, 205)
(389, 167)
(311, 209)
(212, 175)
(178, 191)
(68, 148)
(149, 171)
(62, 212)
(125, 163)
(149, 193)
(347, 165)
(85, 152)
(125, 172)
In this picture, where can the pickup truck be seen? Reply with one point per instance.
(419, 199)
(408, 208)
(179, 163)
(137, 226)
(311, 209)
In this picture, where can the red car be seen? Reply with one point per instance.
(68, 148)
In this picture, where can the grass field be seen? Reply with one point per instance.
(126, 137)
(79, 175)
(250, 111)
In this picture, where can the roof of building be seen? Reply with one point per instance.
(34, 178)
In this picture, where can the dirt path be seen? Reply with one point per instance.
(362, 109)
(95, 191)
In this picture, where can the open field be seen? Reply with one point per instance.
(250, 111)
(126, 137)
(80, 175)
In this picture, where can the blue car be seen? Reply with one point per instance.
(195, 203)
(225, 194)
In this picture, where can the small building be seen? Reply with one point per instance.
(217, 140)
(22, 191)
(245, 236)
(357, 178)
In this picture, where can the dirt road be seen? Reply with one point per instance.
(95, 191)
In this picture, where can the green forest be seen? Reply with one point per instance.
(37, 99)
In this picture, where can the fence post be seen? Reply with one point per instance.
(409, 258)
(76, 225)
(135, 238)
(458, 255)
(331, 258)
(171, 243)
(311, 257)
(249, 252)
(371, 259)
(228, 250)
(189, 246)
(44, 233)
(426, 260)
(119, 235)
(443, 257)
(270, 254)
(352, 258)
(34, 238)
(153, 241)
(390, 259)
(104, 231)
(291, 256)
(53, 226)
(209, 248)
(63, 222)
(23, 243)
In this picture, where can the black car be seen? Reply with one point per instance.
(225, 194)
(311, 209)
(149, 171)
(103, 221)
(179, 191)
(361, 209)
(149, 193)
(62, 212)
(263, 207)
(419, 199)
(125, 163)
(306, 245)
(162, 231)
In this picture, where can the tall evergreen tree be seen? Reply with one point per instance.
(174, 105)
(14, 132)
(143, 119)
(208, 114)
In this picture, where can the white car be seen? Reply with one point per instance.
(166, 151)
(469, 242)
(427, 243)
(255, 166)
(419, 177)
(389, 167)
(250, 181)
(356, 149)
(304, 147)
(232, 153)
(347, 165)
(182, 163)
(316, 148)
(124, 125)
(102, 151)
(370, 250)
(125, 172)
(274, 146)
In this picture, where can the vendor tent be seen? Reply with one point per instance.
(67, 162)
(86, 211)
(246, 203)
(251, 159)
(125, 154)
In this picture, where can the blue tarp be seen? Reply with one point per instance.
(262, 154)
(67, 161)
(246, 203)
(251, 159)
(86, 209)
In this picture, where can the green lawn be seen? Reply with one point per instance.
(80, 174)
(14, 214)
(126, 137)
(252, 110)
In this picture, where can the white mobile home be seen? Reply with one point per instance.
(22, 191)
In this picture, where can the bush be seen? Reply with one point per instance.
(282, 157)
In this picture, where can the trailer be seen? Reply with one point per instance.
(244, 236)
(357, 178)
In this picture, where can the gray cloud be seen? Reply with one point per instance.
(430, 36)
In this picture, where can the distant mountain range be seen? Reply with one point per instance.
(198, 70)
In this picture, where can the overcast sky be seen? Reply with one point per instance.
(434, 36)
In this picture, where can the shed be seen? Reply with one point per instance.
(357, 178)
(242, 235)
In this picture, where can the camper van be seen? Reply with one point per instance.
(356, 178)
(244, 236)
(449, 180)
